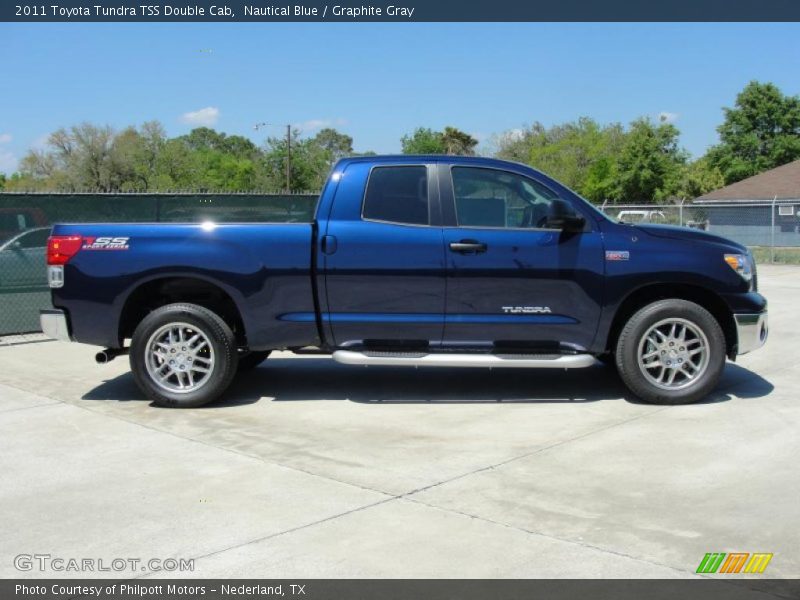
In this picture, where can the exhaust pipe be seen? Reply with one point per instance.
(109, 354)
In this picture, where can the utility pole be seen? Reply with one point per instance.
(288, 159)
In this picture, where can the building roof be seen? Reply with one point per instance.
(783, 182)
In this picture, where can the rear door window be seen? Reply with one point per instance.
(397, 195)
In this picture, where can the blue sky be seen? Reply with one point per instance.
(379, 81)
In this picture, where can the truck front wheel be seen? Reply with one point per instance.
(671, 352)
(183, 355)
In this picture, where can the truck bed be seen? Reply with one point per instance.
(264, 268)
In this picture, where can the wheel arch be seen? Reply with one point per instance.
(168, 289)
(650, 293)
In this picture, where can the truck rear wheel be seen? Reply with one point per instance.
(671, 352)
(183, 355)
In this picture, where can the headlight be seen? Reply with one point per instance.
(741, 264)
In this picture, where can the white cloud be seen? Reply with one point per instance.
(205, 116)
(8, 162)
(667, 117)
(5, 138)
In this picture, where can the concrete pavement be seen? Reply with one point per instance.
(314, 469)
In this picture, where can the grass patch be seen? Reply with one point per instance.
(784, 256)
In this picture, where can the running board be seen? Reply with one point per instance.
(420, 359)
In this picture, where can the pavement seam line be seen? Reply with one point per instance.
(286, 531)
(546, 535)
(19, 408)
(592, 547)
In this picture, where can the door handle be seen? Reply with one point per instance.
(468, 247)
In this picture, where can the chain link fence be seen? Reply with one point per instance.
(771, 229)
(26, 218)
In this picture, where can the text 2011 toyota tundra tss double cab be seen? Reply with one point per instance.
(412, 260)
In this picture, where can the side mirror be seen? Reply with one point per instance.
(562, 216)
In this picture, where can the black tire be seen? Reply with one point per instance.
(249, 361)
(220, 340)
(628, 348)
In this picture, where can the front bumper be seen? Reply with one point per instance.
(54, 324)
(751, 331)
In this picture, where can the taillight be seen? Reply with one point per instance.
(60, 248)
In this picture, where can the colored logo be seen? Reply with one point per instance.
(105, 243)
(734, 562)
(617, 255)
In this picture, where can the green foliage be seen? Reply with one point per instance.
(581, 154)
(423, 141)
(333, 145)
(603, 162)
(650, 162)
(457, 142)
(88, 157)
(451, 141)
(640, 163)
(699, 178)
(761, 132)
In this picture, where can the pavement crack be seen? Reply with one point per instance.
(284, 532)
(547, 535)
(20, 408)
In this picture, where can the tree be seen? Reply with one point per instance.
(423, 141)
(205, 139)
(699, 178)
(450, 141)
(309, 167)
(600, 183)
(516, 144)
(761, 132)
(333, 144)
(174, 167)
(458, 142)
(650, 163)
(128, 166)
(581, 154)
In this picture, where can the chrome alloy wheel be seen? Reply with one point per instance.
(179, 358)
(673, 354)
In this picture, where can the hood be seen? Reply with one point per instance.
(688, 234)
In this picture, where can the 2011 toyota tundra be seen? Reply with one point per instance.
(411, 260)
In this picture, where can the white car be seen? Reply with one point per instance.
(641, 216)
(22, 259)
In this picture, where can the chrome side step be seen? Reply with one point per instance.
(526, 361)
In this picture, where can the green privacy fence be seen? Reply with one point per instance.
(25, 220)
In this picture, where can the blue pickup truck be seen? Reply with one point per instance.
(411, 260)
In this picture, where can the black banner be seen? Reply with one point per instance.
(729, 588)
(401, 11)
